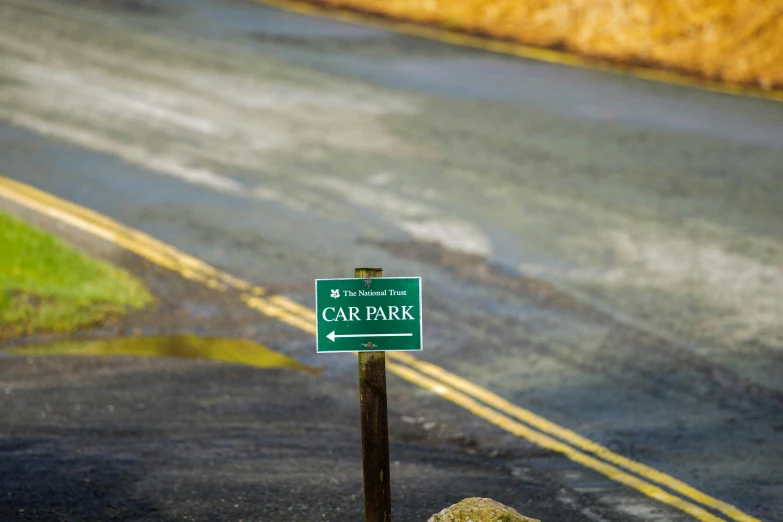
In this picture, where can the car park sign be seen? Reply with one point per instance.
(368, 315)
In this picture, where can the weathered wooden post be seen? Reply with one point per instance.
(375, 427)
(370, 314)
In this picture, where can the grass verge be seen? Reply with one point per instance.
(739, 43)
(49, 286)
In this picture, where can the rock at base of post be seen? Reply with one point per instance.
(478, 509)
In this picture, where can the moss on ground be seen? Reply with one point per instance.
(49, 286)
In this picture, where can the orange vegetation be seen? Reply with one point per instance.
(737, 41)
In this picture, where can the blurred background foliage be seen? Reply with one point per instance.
(735, 41)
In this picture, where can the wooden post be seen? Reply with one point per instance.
(375, 427)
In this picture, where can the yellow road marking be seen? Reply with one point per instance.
(293, 307)
(267, 308)
(569, 436)
(133, 240)
(519, 49)
(520, 430)
(446, 385)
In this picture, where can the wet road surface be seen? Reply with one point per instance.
(601, 250)
(118, 437)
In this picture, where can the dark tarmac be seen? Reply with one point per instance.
(93, 438)
(601, 250)
(128, 439)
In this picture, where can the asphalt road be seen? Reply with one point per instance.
(601, 250)
(164, 439)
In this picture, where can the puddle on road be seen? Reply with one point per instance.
(236, 351)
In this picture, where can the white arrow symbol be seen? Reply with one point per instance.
(332, 335)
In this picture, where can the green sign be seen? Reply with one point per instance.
(366, 315)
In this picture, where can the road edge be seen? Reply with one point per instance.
(520, 50)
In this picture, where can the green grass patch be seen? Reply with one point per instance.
(47, 285)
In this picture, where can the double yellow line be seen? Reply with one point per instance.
(475, 399)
